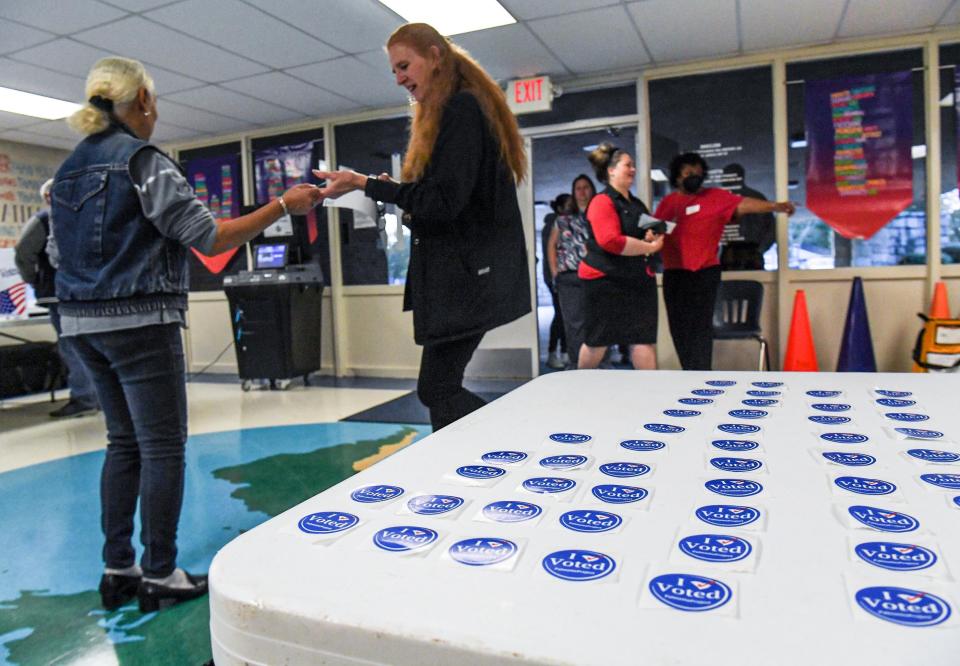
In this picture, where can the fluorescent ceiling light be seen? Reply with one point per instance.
(918, 152)
(38, 106)
(947, 100)
(452, 18)
(798, 143)
(658, 175)
(592, 147)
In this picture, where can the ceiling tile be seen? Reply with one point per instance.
(166, 133)
(292, 93)
(354, 80)
(686, 29)
(510, 51)
(614, 43)
(240, 28)
(530, 9)
(40, 81)
(233, 104)
(14, 36)
(352, 27)
(15, 120)
(863, 17)
(21, 136)
(190, 118)
(58, 16)
(136, 5)
(767, 25)
(157, 45)
(952, 16)
(54, 128)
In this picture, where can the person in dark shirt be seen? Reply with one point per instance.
(746, 237)
(468, 261)
(557, 344)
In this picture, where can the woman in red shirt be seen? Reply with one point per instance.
(619, 284)
(691, 273)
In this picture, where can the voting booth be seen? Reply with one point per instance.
(620, 517)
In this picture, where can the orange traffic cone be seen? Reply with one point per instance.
(801, 355)
(940, 307)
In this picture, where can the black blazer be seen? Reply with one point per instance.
(468, 261)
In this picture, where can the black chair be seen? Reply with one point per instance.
(736, 315)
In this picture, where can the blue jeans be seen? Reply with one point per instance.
(139, 377)
(78, 380)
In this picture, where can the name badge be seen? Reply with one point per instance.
(695, 208)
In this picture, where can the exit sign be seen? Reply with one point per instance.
(528, 95)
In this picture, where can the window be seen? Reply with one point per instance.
(949, 198)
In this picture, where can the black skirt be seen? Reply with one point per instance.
(619, 312)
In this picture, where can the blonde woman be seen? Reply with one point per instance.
(123, 215)
(468, 264)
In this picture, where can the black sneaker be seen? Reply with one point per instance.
(73, 408)
(154, 597)
(116, 590)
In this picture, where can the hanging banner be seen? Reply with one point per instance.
(215, 181)
(859, 162)
(278, 169)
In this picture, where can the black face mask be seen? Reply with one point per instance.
(692, 183)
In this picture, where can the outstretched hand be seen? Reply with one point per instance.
(300, 199)
(339, 182)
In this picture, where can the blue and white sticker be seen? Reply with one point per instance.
(728, 515)
(735, 444)
(729, 464)
(663, 428)
(616, 494)
(480, 471)
(893, 394)
(434, 505)
(681, 413)
(947, 481)
(376, 493)
(715, 547)
(587, 520)
(844, 438)
(738, 428)
(548, 485)
(624, 470)
(695, 401)
(504, 457)
(864, 486)
(482, 552)
(919, 433)
(642, 444)
(404, 538)
(831, 406)
(579, 565)
(733, 487)
(883, 519)
(720, 382)
(820, 393)
(707, 392)
(327, 522)
(511, 512)
(849, 458)
(956, 502)
(690, 592)
(895, 402)
(748, 413)
(903, 606)
(767, 385)
(569, 438)
(826, 419)
(562, 462)
(895, 556)
(760, 402)
(759, 393)
(934, 456)
(907, 417)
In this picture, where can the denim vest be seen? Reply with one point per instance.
(113, 260)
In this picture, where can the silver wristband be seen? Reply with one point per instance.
(283, 205)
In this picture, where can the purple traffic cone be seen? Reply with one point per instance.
(856, 348)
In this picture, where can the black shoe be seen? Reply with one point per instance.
(116, 590)
(153, 596)
(73, 408)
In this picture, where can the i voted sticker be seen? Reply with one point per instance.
(663, 428)
(482, 552)
(681, 413)
(758, 393)
(642, 445)
(544, 484)
(578, 565)
(904, 606)
(727, 515)
(590, 521)
(893, 394)
(864, 486)
(504, 457)
(895, 402)
(733, 487)
(614, 494)
(734, 444)
(404, 538)
(690, 592)
(956, 501)
(895, 556)
(511, 512)
(747, 413)
(934, 456)
(907, 417)
(708, 392)
(883, 519)
(716, 547)
(844, 438)
(623, 470)
(738, 428)
(767, 385)
(728, 464)
(824, 419)
(760, 402)
(376, 493)
(720, 382)
(480, 472)
(327, 522)
(948, 481)
(830, 407)
(824, 394)
(920, 433)
(849, 459)
(563, 462)
(695, 401)
(434, 505)
(570, 438)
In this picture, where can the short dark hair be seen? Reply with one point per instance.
(558, 203)
(682, 160)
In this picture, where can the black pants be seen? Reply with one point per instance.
(689, 297)
(570, 293)
(558, 338)
(440, 386)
